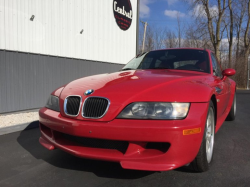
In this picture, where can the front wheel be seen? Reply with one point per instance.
(232, 113)
(204, 157)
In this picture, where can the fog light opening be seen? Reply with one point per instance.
(161, 146)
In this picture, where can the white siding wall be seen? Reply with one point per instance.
(57, 25)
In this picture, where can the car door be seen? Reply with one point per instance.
(221, 86)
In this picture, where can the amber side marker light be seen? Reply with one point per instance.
(191, 131)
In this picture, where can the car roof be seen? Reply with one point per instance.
(184, 48)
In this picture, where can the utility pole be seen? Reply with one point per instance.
(179, 28)
(145, 29)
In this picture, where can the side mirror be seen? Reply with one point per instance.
(228, 72)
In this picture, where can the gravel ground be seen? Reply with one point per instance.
(7, 120)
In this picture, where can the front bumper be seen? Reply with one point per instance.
(181, 149)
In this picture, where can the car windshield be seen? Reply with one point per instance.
(180, 59)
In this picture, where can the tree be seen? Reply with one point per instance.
(171, 41)
(179, 29)
(149, 41)
(159, 37)
(243, 67)
(196, 36)
(239, 14)
(230, 38)
(211, 13)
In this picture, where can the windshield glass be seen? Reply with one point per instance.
(181, 59)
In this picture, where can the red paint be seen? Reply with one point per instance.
(123, 88)
(228, 72)
(46, 144)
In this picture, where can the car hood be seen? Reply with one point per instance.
(125, 87)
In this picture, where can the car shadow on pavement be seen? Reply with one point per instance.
(29, 140)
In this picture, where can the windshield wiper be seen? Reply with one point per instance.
(200, 70)
(127, 69)
(160, 68)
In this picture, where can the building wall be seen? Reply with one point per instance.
(28, 79)
(38, 56)
(56, 29)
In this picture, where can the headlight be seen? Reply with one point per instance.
(53, 103)
(155, 110)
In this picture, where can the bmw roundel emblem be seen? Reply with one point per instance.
(88, 92)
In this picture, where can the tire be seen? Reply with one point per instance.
(232, 113)
(204, 157)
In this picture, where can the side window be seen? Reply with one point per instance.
(216, 67)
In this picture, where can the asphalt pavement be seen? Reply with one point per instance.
(24, 162)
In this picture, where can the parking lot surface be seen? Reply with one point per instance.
(24, 162)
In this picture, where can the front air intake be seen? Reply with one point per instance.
(72, 105)
(92, 142)
(95, 107)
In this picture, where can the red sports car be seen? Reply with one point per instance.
(160, 112)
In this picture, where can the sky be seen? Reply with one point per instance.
(163, 13)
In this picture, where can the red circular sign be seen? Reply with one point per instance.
(123, 13)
